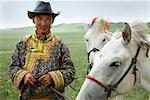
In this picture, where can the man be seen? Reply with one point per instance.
(41, 60)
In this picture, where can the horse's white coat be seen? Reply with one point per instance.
(112, 61)
(95, 37)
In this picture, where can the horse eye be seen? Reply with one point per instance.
(87, 40)
(115, 64)
(104, 40)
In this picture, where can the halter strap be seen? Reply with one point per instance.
(88, 54)
(109, 88)
(98, 82)
(93, 50)
(133, 62)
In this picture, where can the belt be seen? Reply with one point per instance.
(42, 97)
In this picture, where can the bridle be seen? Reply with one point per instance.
(110, 88)
(88, 54)
(93, 50)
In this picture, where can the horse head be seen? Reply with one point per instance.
(113, 66)
(97, 36)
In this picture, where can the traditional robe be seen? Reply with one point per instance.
(48, 56)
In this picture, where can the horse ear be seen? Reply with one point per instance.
(86, 26)
(126, 33)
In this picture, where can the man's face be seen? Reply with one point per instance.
(43, 23)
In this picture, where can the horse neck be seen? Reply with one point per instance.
(143, 67)
(142, 59)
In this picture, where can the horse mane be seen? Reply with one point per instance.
(139, 30)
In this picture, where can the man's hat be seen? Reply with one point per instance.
(42, 8)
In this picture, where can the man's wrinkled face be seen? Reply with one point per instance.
(43, 23)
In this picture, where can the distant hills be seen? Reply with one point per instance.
(13, 32)
(71, 33)
(73, 27)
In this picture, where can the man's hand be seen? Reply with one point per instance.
(45, 80)
(29, 79)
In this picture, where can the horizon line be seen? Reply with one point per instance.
(61, 23)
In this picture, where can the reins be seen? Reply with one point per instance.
(59, 93)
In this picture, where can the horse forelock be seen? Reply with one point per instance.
(98, 28)
(99, 25)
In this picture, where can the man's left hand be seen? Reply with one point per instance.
(45, 80)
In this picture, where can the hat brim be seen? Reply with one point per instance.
(31, 15)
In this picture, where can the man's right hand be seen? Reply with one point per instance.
(29, 79)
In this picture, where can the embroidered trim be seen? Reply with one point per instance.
(41, 52)
(18, 77)
(58, 79)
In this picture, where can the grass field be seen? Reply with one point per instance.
(72, 34)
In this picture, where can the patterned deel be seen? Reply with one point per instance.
(41, 57)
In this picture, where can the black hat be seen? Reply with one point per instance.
(42, 8)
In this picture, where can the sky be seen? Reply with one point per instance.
(13, 13)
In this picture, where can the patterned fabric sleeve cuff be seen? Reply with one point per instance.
(19, 76)
(58, 79)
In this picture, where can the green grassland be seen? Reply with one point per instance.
(72, 34)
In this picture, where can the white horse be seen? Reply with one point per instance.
(114, 64)
(96, 37)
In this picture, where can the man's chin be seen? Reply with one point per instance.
(44, 31)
